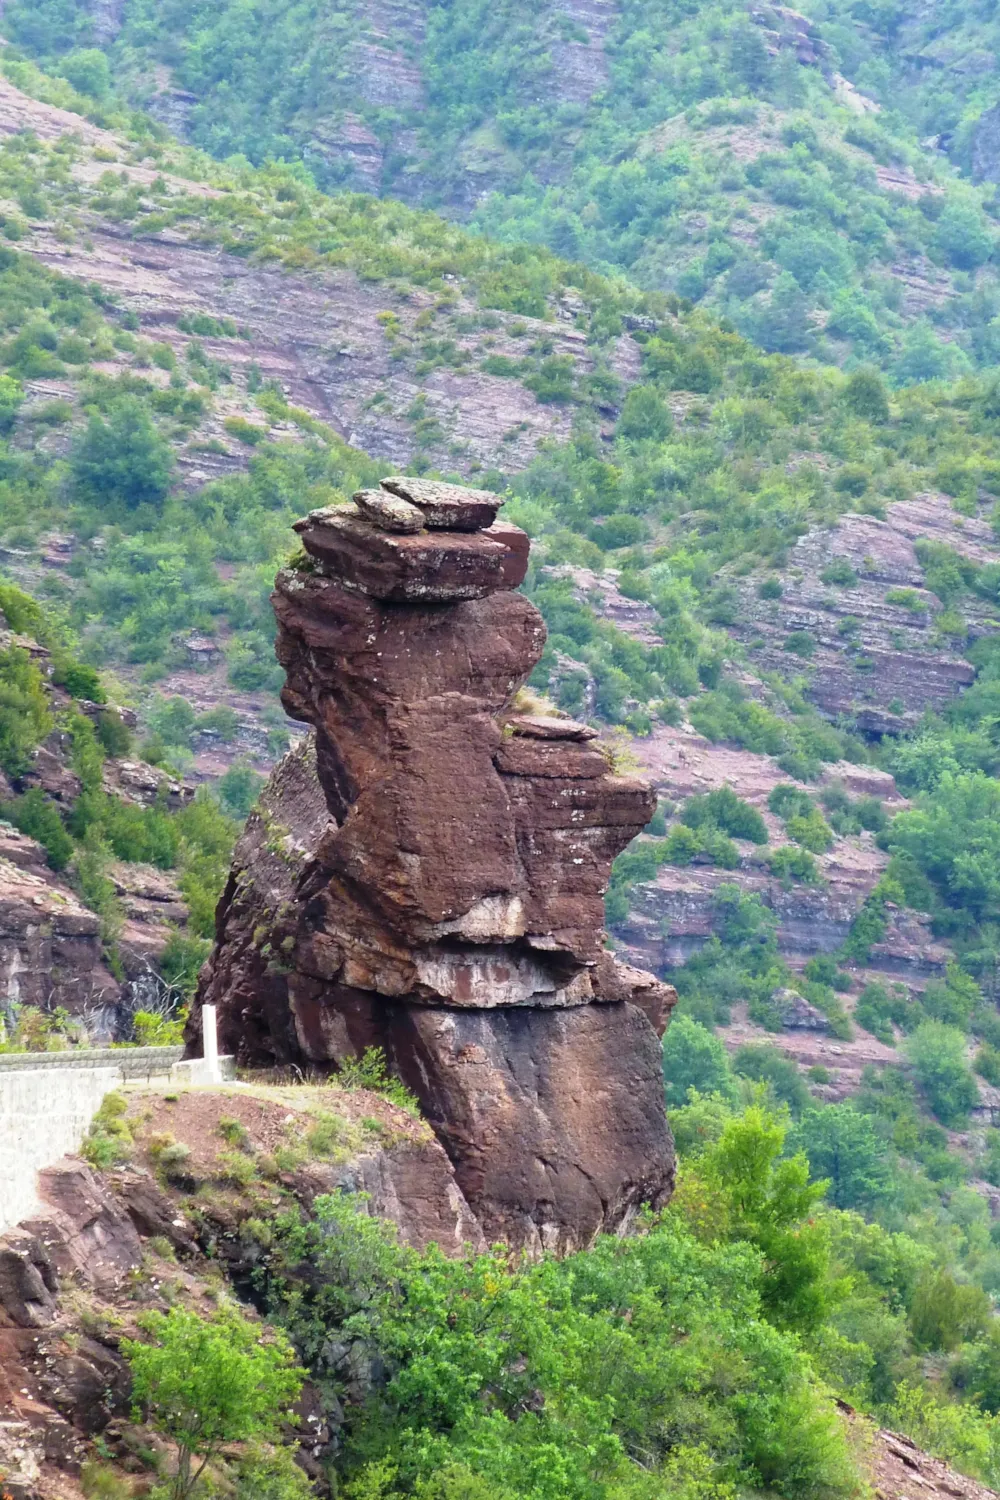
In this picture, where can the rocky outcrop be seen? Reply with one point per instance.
(882, 648)
(426, 876)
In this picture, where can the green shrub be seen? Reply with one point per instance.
(109, 1139)
(764, 1063)
(937, 1054)
(371, 1071)
(122, 461)
(839, 573)
(36, 816)
(792, 863)
(25, 718)
(723, 808)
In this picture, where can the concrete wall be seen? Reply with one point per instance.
(44, 1113)
(48, 1099)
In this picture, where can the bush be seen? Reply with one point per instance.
(811, 831)
(694, 1358)
(945, 1313)
(839, 573)
(645, 415)
(36, 816)
(937, 1054)
(25, 719)
(866, 396)
(787, 801)
(723, 808)
(792, 863)
(122, 461)
(766, 1064)
(844, 1151)
(204, 1383)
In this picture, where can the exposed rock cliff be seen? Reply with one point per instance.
(437, 889)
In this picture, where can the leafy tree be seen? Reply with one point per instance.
(36, 816)
(87, 70)
(25, 719)
(963, 235)
(782, 324)
(645, 414)
(866, 396)
(122, 461)
(954, 840)
(976, 1371)
(844, 1150)
(239, 788)
(945, 1312)
(694, 1058)
(766, 1064)
(707, 1369)
(723, 808)
(937, 1053)
(769, 1200)
(208, 1382)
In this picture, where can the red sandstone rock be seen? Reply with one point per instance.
(446, 507)
(425, 881)
(422, 568)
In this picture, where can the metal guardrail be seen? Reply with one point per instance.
(131, 1062)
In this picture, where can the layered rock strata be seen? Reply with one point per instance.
(426, 874)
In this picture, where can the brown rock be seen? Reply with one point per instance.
(89, 1384)
(447, 507)
(552, 1139)
(414, 1185)
(152, 1213)
(423, 882)
(519, 756)
(28, 1282)
(620, 981)
(543, 727)
(390, 512)
(420, 569)
(87, 1232)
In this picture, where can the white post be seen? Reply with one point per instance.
(210, 1045)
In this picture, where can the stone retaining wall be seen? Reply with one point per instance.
(44, 1113)
(48, 1099)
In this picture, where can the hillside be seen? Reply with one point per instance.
(187, 1202)
(772, 584)
(770, 166)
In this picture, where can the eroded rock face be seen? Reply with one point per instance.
(426, 875)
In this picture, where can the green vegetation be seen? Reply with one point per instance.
(605, 1374)
(707, 163)
(205, 1383)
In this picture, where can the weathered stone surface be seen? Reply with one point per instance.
(447, 507)
(86, 1232)
(151, 1211)
(553, 1119)
(28, 1282)
(414, 1185)
(422, 568)
(426, 881)
(520, 756)
(542, 727)
(390, 512)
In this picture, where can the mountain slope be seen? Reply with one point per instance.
(715, 151)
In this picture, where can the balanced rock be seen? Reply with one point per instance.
(389, 511)
(446, 507)
(425, 874)
(422, 567)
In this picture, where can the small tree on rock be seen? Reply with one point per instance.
(204, 1383)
